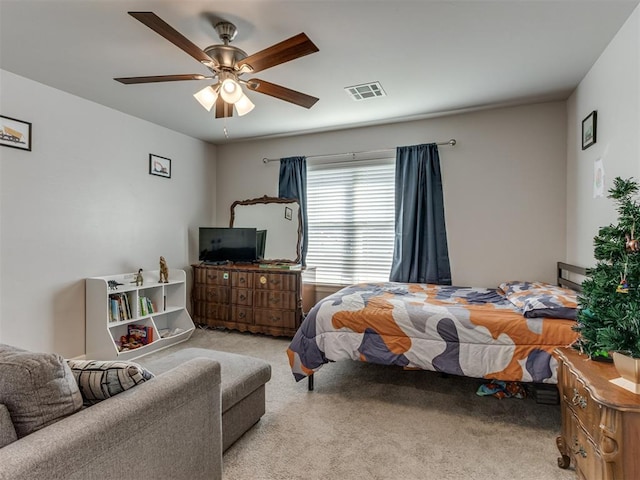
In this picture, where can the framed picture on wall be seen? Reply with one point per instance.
(159, 166)
(15, 133)
(589, 128)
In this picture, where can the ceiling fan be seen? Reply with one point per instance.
(227, 64)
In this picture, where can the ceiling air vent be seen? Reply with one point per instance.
(365, 91)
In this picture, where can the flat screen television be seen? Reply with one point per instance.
(223, 245)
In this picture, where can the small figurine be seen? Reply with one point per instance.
(623, 287)
(631, 243)
(164, 271)
(113, 285)
(139, 280)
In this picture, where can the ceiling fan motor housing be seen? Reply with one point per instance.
(225, 55)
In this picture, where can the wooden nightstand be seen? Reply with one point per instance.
(600, 421)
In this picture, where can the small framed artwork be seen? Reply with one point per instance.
(15, 133)
(288, 213)
(159, 166)
(589, 128)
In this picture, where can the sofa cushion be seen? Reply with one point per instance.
(7, 431)
(38, 389)
(99, 380)
(241, 374)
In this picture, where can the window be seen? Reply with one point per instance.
(350, 210)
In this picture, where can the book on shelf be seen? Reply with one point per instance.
(146, 306)
(119, 308)
(114, 312)
(282, 266)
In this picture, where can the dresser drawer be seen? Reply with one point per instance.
(242, 314)
(199, 275)
(589, 463)
(242, 279)
(212, 294)
(579, 400)
(204, 311)
(276, 281)
(279, 300)
(274, 318)
(242, 296)
(213, 276)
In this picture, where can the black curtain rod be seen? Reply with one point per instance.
(451, 143)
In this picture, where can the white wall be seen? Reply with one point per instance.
(82, 203)
(612, 87)
(503, 183)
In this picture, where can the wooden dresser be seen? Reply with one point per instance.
(250, 298)
(600, 421)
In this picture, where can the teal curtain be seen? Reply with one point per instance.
(293, 184)
(420, 253)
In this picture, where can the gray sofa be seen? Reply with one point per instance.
(174, 426)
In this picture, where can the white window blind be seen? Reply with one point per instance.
(351, 220)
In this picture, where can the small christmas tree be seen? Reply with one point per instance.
(609, 315)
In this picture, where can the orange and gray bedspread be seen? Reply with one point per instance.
(469, 331)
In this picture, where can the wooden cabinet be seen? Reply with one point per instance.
(115, 303)
(250, 298)
(600, 421)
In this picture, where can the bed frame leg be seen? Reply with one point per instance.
(310, 378)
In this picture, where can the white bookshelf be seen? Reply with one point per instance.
(169, 320)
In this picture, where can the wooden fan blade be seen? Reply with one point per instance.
(223, 109)
(283, 93)
(161, 78)
(285, 51)
(165, 30)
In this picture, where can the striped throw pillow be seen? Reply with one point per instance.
(99, 379)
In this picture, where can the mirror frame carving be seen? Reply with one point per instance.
(269, 200)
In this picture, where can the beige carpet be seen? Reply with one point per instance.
(368, 421)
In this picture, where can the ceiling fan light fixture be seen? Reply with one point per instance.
(207, 97)
(244, 105)
(230, 91)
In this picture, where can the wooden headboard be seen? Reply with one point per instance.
(564, 281)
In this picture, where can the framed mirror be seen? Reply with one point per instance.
(280, 220)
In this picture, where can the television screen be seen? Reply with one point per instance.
(221, 245)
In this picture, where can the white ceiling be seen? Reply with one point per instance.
(431, 57)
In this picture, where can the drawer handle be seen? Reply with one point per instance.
(578, 400)
(242, 315)
(242, 280)
(275, 319)
(274, 300)
(243, 297)
(579, 450)
(275, 282)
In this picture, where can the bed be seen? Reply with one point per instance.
(507, 333)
